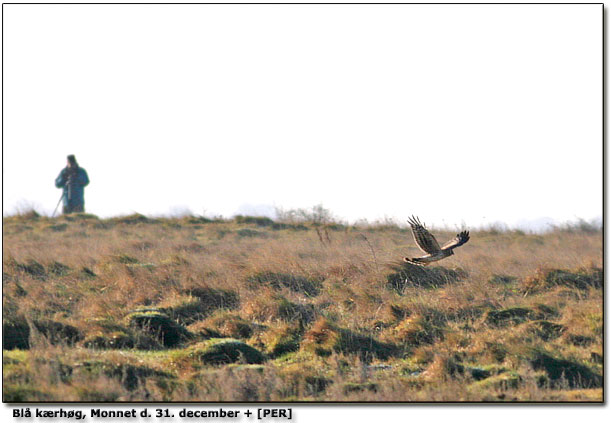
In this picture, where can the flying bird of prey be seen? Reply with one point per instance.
(427, 243)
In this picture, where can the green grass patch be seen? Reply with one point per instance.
(219, 352)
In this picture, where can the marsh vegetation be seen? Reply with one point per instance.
(299, 309)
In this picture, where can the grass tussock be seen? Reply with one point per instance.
(582, 279)
(160, 326)
(301, 308)
(410, 275)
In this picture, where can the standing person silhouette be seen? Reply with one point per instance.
(73, 180)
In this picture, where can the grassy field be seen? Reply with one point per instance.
(250, 309)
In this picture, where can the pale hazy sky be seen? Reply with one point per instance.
(459, 114)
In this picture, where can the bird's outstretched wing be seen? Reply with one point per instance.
(460, 239)
(424, 239)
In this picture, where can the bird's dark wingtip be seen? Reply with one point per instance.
(414, 221)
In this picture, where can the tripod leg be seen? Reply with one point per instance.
(58, 203)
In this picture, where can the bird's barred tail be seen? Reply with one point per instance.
(416, 261)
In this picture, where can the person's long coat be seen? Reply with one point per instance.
(74, 192)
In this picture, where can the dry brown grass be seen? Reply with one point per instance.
(94, 305)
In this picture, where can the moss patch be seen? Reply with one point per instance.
(224, 351)
(503, 381)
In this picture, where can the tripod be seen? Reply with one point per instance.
(58, 203)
